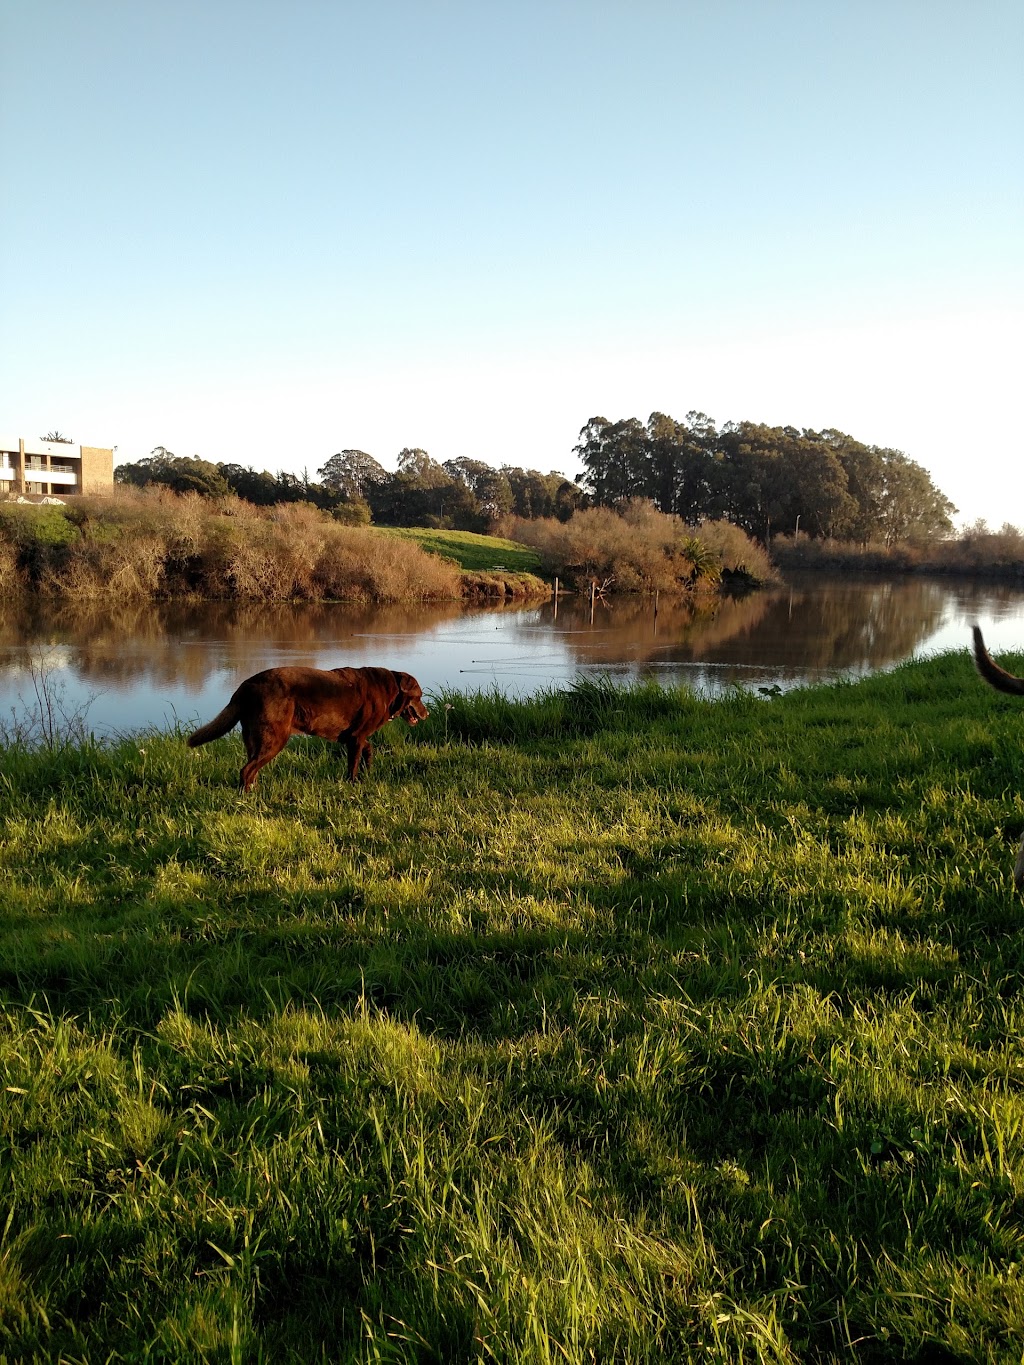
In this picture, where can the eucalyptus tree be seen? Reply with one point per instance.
(351, 473)
(911, 507)
(488, 486)
(616, 460)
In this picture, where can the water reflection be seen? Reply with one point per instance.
(143, 664)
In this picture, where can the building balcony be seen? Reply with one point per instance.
(37, 467)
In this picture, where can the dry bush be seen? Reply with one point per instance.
(122, 549)
(825, 556)
(637, 554)
(248, 565)
(125, 568)
(263, 557)
(639, 548)
(300, 552)
(977, 551)
(735, 551)
(293, 538)
(154, 542)
(10, 578)
(366, 565)
(980, 550)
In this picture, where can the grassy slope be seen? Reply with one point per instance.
(471, 551)
(610, 1026)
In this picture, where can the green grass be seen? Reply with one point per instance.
(613, 1026)
(470, 551)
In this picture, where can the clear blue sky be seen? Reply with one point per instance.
(264, 232)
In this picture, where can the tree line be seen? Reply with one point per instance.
(465, 494)
(767, 480)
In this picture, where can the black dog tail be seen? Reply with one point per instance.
(994, 675)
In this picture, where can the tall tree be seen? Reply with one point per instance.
(865, 483)
(666, 442)
(533, 493)
(684, 466)
(257, 486)
(351, 473)
(422, 493)
(416, 464)
(911, 507)
(489, 488)
(616, 460)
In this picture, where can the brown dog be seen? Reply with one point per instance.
(343, 704)
(1004, 682)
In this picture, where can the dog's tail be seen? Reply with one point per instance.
(220, 725)
(994, 675)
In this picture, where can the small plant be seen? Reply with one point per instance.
(45, 719)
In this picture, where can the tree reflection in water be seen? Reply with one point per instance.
(149, 662)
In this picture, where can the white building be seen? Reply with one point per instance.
(53, 468)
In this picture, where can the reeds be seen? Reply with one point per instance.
(978, 552)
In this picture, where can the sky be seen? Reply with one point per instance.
(265, 232)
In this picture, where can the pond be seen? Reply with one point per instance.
(143, 665)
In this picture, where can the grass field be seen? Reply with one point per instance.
(471, 551)
(612, 1026)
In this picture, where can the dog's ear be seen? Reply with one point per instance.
(398, 700)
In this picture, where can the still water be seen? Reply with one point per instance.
(142, 666)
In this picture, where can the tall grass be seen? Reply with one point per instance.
(613, 1025)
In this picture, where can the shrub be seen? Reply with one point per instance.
(36, 524)
(639, 549)
(10, 577)
(977, 551)
(379, 567)
(735, 551)
(147, 543)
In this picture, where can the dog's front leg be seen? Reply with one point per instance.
(354, 748)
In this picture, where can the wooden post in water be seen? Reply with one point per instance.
(556, 598)
(593, 595)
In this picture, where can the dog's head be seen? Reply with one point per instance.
(409, 702)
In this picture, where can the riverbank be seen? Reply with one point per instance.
(612, 1024)
(995, 556)
(154, 544)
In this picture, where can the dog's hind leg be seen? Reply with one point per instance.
(360, 754)
(261, 746)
